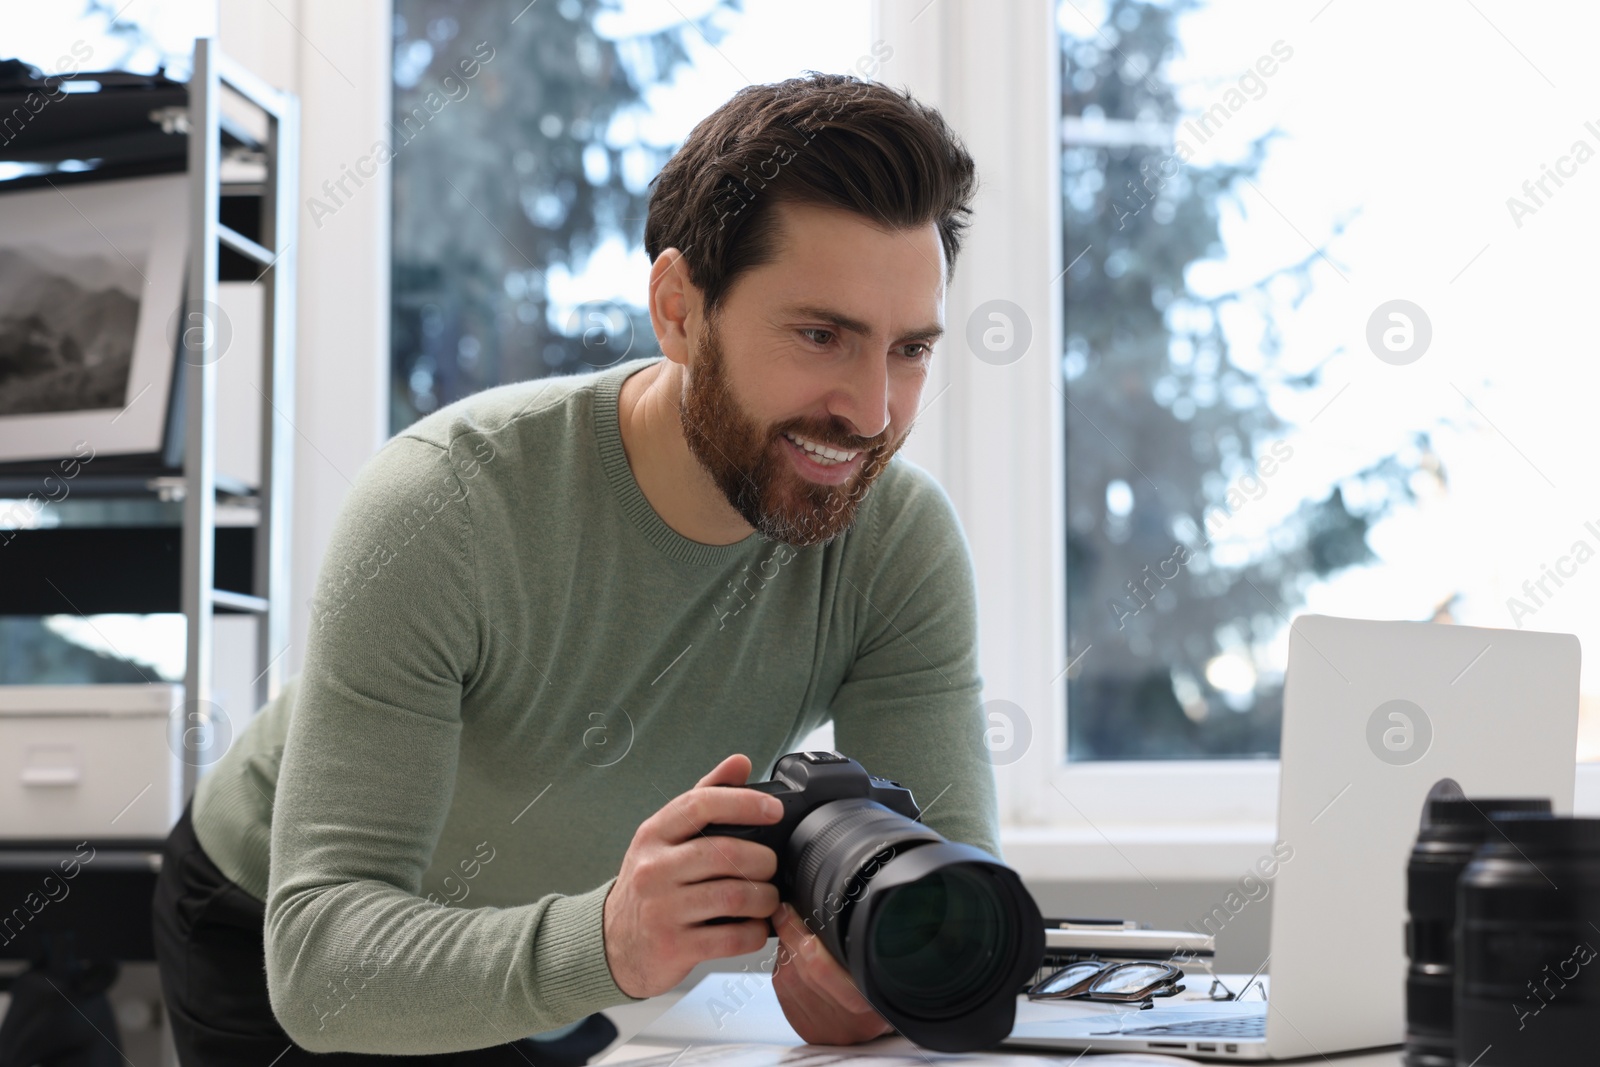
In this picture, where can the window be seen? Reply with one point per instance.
(1322, 323)
(140, 38)
(520, 188)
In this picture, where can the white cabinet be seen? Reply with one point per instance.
(90, 761)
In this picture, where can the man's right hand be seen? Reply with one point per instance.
(674, 878)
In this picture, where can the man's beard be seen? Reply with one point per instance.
(747, 463)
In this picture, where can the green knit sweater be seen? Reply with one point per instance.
(513, 662)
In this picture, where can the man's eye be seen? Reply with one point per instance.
(917, 350)
(817, 337)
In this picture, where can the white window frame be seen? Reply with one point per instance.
(337, 59)
(992, 435)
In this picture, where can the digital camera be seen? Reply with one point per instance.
(939, 936)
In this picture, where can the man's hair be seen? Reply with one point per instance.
(829, 139)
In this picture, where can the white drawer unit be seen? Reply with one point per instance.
(89, 761)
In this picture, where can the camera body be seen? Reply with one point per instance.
(939, 936)
(803, 782)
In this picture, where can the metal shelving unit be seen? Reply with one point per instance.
(274, 254)
(121, 547)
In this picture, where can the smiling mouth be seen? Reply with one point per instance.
(826, 455)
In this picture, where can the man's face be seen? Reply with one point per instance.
(806, 380)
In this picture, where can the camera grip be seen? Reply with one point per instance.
(758, 834)
(772, 835)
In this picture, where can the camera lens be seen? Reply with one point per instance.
(936, 943)
(938, 936)
(1528, 982)
(1450, 835)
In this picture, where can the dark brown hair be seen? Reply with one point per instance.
(830, 139)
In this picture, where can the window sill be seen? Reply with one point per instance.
(1202, 851)
(1151, 854)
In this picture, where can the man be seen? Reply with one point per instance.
(555, 615)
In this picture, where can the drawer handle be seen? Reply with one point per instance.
(49, 776)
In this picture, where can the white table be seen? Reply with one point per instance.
(755, 1016)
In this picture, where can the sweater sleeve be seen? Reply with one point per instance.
(356, 960)
(909, 708)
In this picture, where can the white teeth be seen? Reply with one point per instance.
(822, 453)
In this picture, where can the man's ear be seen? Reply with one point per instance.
(676, 305)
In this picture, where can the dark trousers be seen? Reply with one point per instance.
(209, 944)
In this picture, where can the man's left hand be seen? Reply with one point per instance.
(818, 997)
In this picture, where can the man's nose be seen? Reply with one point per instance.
(863, 400)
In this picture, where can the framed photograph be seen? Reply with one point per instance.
(91, 298)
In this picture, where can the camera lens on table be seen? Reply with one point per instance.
(1451, 833)
(1528, 927)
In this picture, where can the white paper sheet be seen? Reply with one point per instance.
(752, 1055)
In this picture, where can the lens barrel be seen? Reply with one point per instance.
(1452, 832)
(1528, 981)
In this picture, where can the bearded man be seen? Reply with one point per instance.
(555, 615)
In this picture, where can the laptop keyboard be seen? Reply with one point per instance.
(1236, 1026)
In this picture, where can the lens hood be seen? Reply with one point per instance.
(982, 1018)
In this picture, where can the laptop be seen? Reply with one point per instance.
(1375, 715)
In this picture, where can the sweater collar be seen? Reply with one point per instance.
(608, 435)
